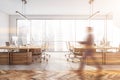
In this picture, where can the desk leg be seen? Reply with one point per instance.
(102, 57)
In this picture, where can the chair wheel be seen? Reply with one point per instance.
(44, 58)
(73, 61)
(67, 59)
(65, 55)
(47, 60)
(40, 61)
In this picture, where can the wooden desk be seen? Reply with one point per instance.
(98, 56)
(4, 58)
(16, 57)
(106, 56)
(20, 47)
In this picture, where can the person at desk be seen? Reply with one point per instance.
(89, 50)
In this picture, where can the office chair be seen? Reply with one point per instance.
(75, 53)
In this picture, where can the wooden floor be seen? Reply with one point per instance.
(58, 68)
(58, 75)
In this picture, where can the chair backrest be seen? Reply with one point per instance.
(69, 46)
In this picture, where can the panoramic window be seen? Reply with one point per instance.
(58, 32)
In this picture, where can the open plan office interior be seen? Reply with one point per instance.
(47, 40)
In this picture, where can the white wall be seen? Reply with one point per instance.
(4, 27)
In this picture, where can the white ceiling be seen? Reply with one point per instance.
(58, 7)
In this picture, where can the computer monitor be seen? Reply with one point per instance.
(7, 43)
(14, 40)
